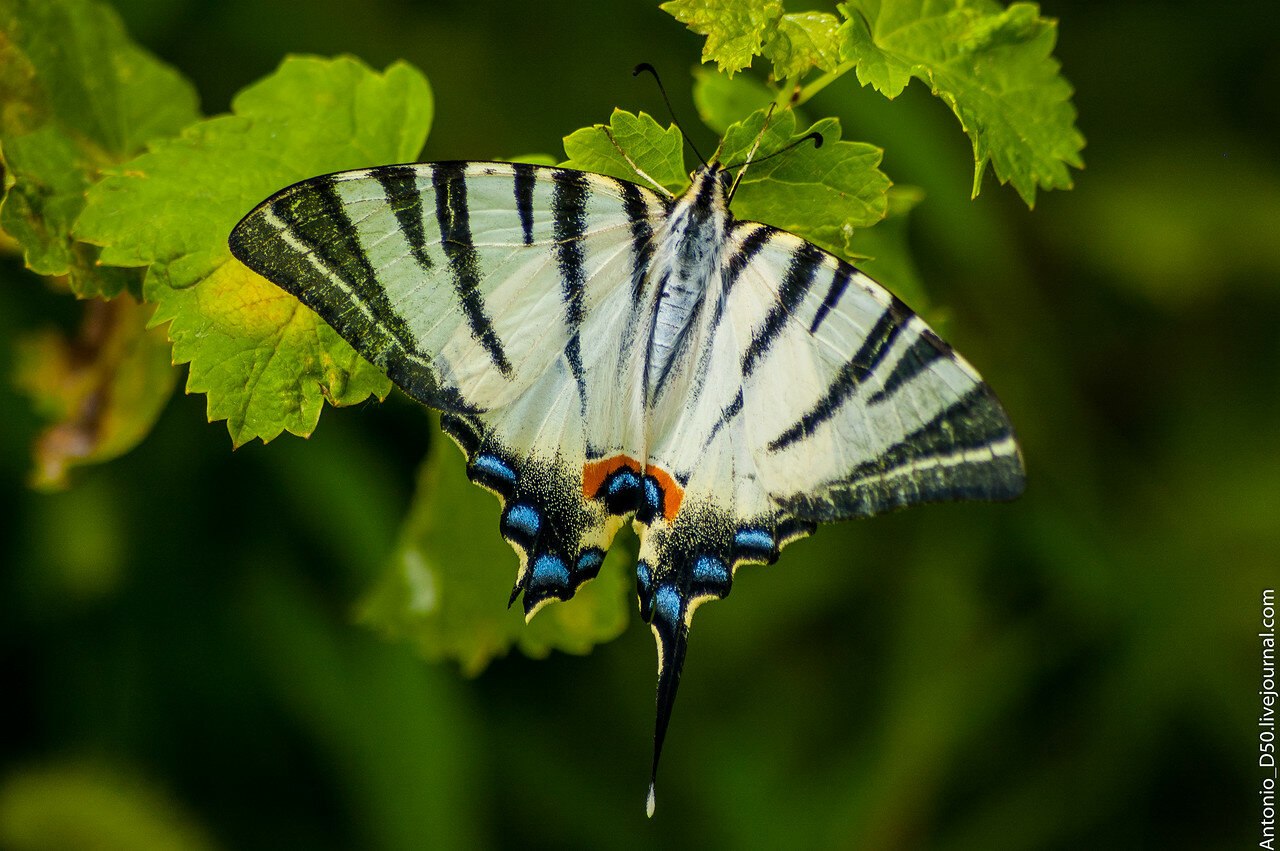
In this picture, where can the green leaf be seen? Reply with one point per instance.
(78, 96)
(994, 68)
(103, 391)
(735, 29)
(630, 142)
(534, 159)
(87, 804)
(722, 100)
(446, 586)
(803, 41)
(884, 254)
(265, 361)
(823, 194)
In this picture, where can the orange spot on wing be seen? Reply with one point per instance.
(673, 493)
(594, 474)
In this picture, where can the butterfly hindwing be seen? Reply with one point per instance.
(809, 393)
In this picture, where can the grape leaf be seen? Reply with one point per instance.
(799, 42)
(823, 194)
(659, 152)
(445, 587)
(994, 68)
(78, 96)
(883, 253)
(103, 391)
(735, 29)
(265, 361)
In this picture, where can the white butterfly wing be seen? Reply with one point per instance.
(813, 394)
(852, 405)
(475, 285)
(774, 388)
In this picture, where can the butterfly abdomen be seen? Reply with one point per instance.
(687, 262)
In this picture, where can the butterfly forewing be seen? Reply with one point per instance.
(475, 286)
(852, 405)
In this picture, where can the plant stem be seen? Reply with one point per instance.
(822, 82)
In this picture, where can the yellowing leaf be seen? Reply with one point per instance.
(103, 391)
(265, 362)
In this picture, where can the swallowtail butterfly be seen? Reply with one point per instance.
(604, 354)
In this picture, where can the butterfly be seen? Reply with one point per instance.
(604, 353)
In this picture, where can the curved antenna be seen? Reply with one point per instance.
(645, 66)
(815, 136)
(817, 143)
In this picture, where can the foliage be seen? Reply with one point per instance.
(992, 65)
(176, 629)
(102, 391)
(93, 806)
(264, 362)
(78, 97)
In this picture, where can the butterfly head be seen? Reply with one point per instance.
(715, 178)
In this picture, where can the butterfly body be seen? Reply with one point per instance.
(690, 242)
(605, 355)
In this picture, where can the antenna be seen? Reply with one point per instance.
(645, 66)
(815, 136)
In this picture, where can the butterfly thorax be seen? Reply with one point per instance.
(686, 268)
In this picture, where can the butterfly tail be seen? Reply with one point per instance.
(671, 629)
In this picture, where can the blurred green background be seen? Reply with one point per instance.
(178, 658)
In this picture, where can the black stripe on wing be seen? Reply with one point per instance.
(317, 218)
(450, 184)
(927, 350)
(569, 224)
(839, 283)
(931, 464)
(851, 376)
(795, 285)
(637, 211)
(525, 178)
(400, 185)
(748, 249)
(302, 240)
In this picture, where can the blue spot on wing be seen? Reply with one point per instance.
(549, 570)
(652, 494)
(494, 467)
(524, 519)
(644, 589)
(622, 481)
(757, 540)
(653, 499)
(589, 564)
(711, 571)
(667, 604)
